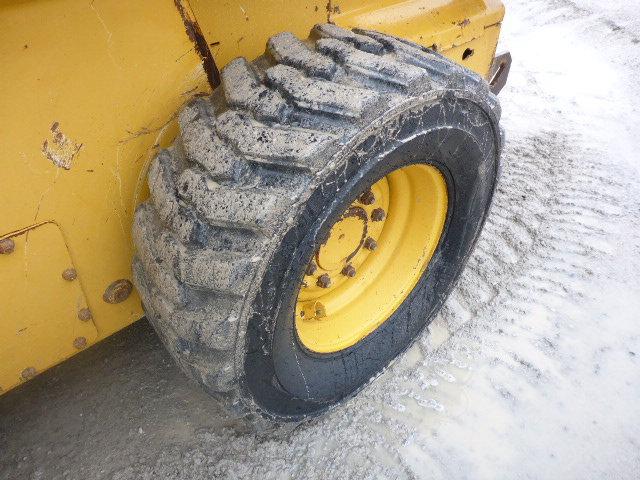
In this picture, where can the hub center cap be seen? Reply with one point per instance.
(346, 238)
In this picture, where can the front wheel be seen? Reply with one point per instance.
(313, 216)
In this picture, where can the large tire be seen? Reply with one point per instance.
(257, 176)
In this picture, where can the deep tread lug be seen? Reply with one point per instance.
(221, 205)
(403, 76)
(171, 211)
(243, 89)
(361, 42)
(288, 50)
(321, 95)
(295, 148)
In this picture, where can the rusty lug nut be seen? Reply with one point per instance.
(324, 281)
(311, 269)
(118, 291)
(7, 246)
(370, 244)
(80, 343)
(70, 274)
(28, 373)
(84, 314)
(349, 271)
(377, 215)
(367, 198)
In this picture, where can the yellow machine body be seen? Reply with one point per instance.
(89, 93)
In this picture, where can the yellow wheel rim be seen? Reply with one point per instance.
(374, 256)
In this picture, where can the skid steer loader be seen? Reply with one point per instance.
(287, 191)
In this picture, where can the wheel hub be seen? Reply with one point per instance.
(374, 255)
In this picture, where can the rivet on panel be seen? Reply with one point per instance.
(118, 291)
(84, 314)
(28, 373)
(80, 343)
(7, 246)
(70, 274)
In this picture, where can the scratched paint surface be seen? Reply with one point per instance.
(89, 95)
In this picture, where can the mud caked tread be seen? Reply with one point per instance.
(379, 68)
(321, 95)
(217, 207)
(243, 89)
(286, 49)
(202, 146)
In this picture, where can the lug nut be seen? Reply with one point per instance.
(84, 314)
(80, 343)
(311, 268)
(370, 244)
(7, 246)
(324, 281)
(377, 215)
(70, 274)
(367, 198)
(349, 271)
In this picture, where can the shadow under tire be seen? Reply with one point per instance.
(263, 169)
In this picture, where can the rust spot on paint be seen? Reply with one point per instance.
(59, 148)
(195, 34)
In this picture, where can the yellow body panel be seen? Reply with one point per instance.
(444, 25)
(41, 337)
(89, 92)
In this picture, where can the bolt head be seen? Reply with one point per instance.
(80, 343)
(84, 314)
(7, 246)
(367, 198)
(70, 274)
(118, 291)
(378, 215)
(349, 271)
(370, 244)
(311, 268)
(324, 281)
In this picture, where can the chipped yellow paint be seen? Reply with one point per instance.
(90, 91)
(59, 148)
(100, 82)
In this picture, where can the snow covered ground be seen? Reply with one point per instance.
(532, 369)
